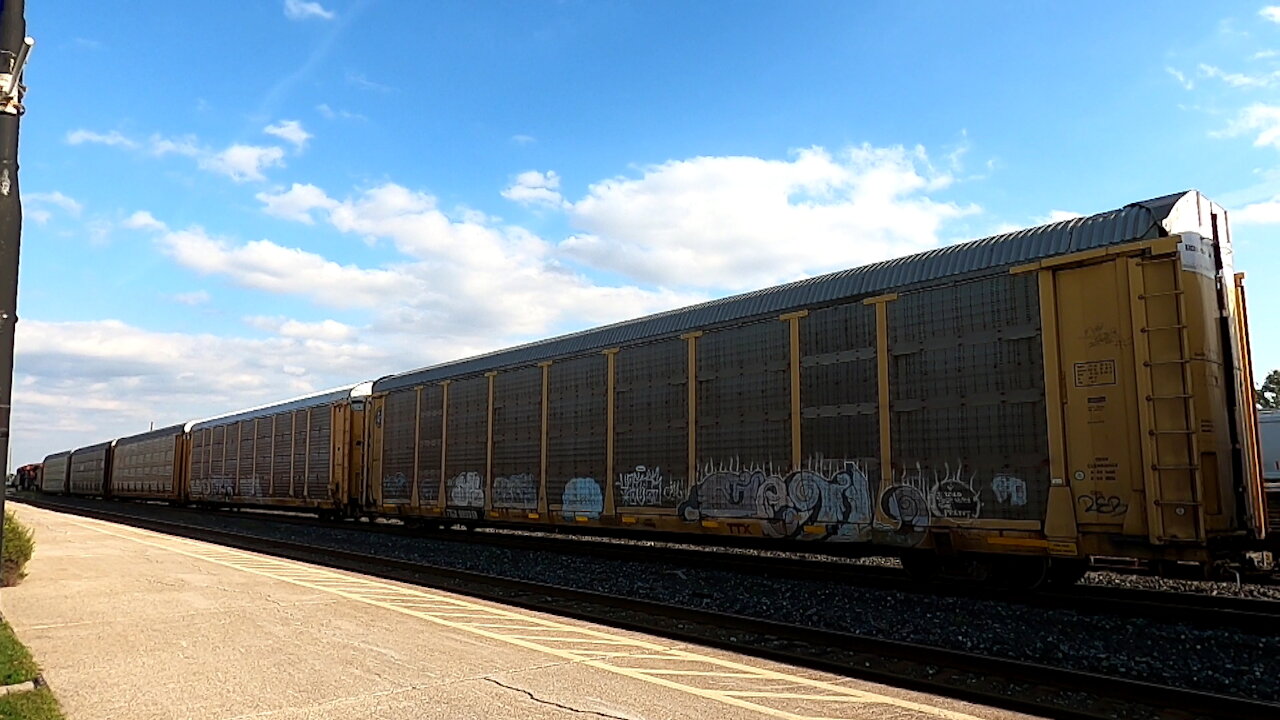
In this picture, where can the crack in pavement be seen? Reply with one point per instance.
(552, 703)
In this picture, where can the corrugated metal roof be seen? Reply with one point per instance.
(96, 446)
(1137, 221)
(327, 397)
(151, 434)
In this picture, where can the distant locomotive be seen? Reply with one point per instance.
(1012, 405)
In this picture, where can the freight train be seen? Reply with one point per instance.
(1009, 407)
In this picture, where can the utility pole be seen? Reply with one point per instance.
(14, 46)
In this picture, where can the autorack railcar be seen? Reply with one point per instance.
(150, 465)
(53, 473)
(1075, 389)
(90, 470)
(303, 453)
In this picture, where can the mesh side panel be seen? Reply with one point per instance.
(967, 398)
(217, 463)
(467, 444)
(840, 388)
(199, 461)
(651, 422)
(517, 438)
(54, 479)
(744, 398)
(283, 457)
(225, 485)
(143, 467)
(262, 455)
(318, 467)
(246, 483)
(576, 426)
(398, 426)
(429, 445)
(88, 475)
(300, 472)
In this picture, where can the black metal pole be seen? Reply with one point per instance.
(13, 50)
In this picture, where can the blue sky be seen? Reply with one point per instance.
(230, 203)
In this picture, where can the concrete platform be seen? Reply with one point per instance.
(136, 625)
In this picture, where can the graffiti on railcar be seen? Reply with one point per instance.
(1009, 490)
(835, 496)
(648, 487)
(466, 489)
(215, 488)
(1102, 504)
(905, 514)
(582, 496)
(250, 487)
(396, 488)
(518, 491)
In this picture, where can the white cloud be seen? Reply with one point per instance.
(296, 203)
(143, 220)
(1057, 216)
(523, 139)
(185, 146)
(745, 222)
(1186, 82)
(359, 80)
(195, 297)
(303, 10)
(290, 131)
(1265, 54)
(239, 162)
(114, 138)
(1271, 12)
(83, 382)
(1257, 118)
(264, 265)
(331, 330)
(243, 162)
(330, 113)
(35, 205)
(1260, 213)
(535, 188)
(1240, 80)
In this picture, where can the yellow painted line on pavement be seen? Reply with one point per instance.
(839, 700)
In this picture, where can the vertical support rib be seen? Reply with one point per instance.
(882, 373)
(793, 325)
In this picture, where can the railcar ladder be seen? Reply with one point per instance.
(1175, 511)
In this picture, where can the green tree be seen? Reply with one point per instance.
(1269, 393)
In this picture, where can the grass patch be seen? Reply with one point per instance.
(18, 546)
(35, 705)
(16, 664)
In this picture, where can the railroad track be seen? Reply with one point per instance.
(1198, 609)
(998, 682)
